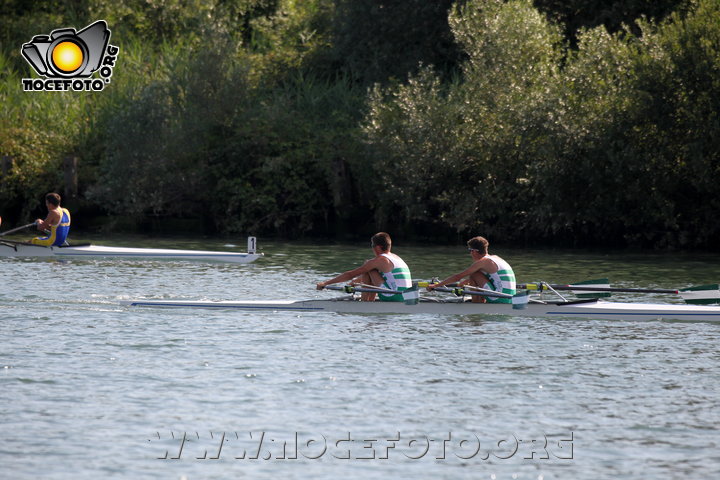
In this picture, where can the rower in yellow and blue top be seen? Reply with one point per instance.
(487, 272)
(384, 271)
(56, 224)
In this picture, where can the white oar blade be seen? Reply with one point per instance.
(701, 295)
(411, 296)
(599, 283)
(520, 300)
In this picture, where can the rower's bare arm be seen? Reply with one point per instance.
(458, 276)
(487, 265)
(51, 220)
(372, 264)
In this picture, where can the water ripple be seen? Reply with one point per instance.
(92, 390)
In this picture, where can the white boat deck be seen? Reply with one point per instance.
(593, 309)
(18, 249)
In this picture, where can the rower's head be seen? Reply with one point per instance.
(52, 199)
(382, 241)
(478, 245)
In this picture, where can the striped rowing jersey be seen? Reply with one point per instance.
(397, 279)
(502, 281)
(58, 233)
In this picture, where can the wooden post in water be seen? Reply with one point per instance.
(71, 176)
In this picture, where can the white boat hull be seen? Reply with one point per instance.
(588, 309)
(98, 251)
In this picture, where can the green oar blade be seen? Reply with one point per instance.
(701, 294)
(520, 300)
(603, 283)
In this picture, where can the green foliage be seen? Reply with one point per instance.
(205, 139)
(36, 131)
(458, 151)
(276, 170)
(614, 15)
(255, 116)
(152, 154)
(584, 156)
(679, 67)
(614, 142)
(636, 118)
(377, 40)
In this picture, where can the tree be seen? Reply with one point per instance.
(378, 40)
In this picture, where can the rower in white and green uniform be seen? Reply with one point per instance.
(385, 270)
(487, 271)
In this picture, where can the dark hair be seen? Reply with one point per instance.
(53, 199)
(382, 240)
(479, 243)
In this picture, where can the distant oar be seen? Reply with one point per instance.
(18, 228)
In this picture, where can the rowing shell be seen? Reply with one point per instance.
(15, 249)
(591, 309)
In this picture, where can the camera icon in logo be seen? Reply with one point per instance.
(67, 53)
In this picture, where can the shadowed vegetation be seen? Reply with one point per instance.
(573, 123)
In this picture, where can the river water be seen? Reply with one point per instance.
(89, 389)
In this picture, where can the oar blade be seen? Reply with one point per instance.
(411, 296)
(520, 300)
(602, 283)
(701, 294)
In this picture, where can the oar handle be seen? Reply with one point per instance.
(462, 291)
(424, 284)
(354, 289)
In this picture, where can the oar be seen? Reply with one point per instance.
(424, 283)
(354, 289)
(18, 228)
(464, 290)
(519, 301)
(586, 286)
(698, 295)
(541, 286)
(460, 291)
(701, 295)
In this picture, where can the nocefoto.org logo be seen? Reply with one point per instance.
(67, 59)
